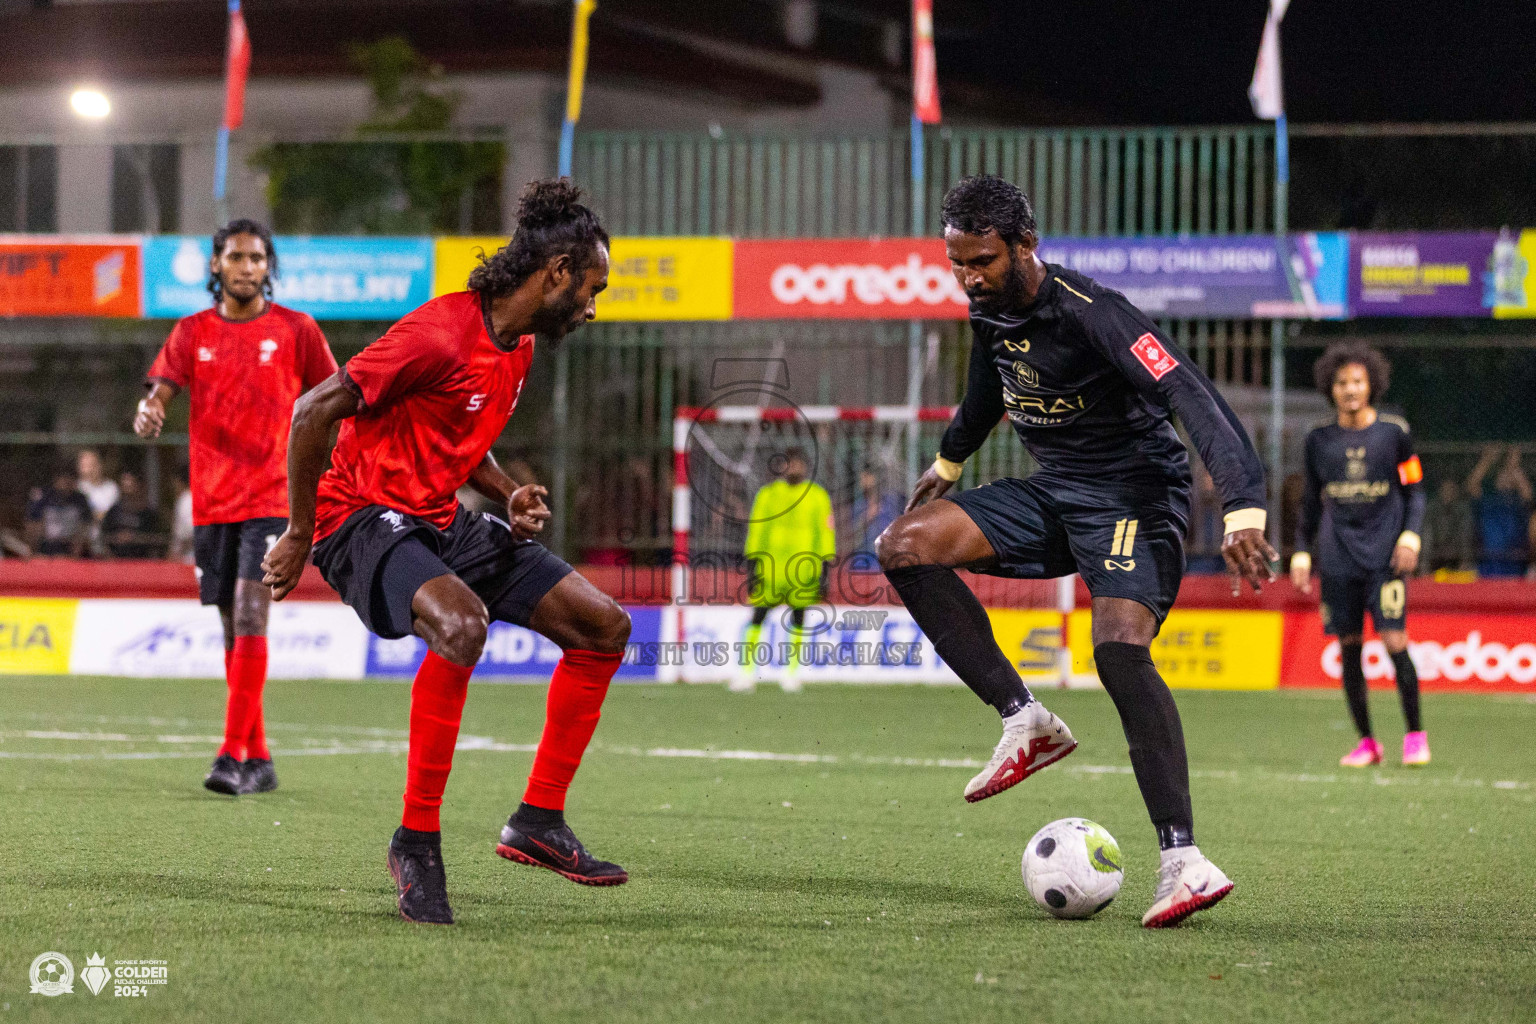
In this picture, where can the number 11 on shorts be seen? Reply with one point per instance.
(1125, 537)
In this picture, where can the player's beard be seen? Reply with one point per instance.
(1010, 296)
(559, 316)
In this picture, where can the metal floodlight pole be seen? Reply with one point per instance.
(1277, 329)
(915, 327)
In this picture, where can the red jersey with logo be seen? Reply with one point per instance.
(436, 392)
(243, 378)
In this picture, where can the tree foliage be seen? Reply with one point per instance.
(377, 184)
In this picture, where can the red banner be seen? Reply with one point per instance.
(1452, 652)
(69, 279)
(875, 279)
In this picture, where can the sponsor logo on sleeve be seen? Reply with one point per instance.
(1151, 354)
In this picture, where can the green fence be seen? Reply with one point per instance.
(1099, 182)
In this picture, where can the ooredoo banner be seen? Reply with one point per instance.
(866, 279)
(1450, 653)
(42, 276)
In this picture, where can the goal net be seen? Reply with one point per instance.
(868, 460)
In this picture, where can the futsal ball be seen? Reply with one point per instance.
(1072, 868)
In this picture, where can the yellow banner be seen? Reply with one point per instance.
(35, 635)
(1030, 638)
(648, 278)
(1201, 650)
(1514, 276)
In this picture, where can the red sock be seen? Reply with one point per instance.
(576, 693)
(253, 655)
(437, 704)
(246, 672)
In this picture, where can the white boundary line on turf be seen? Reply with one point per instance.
(492, 745)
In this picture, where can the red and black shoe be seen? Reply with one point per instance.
(560, 851)
(421, 884)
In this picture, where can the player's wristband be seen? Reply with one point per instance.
(947, 470)
(1244, 519)
(1301, 561)
(1410, 540)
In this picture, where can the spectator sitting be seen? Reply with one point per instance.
(181, 519)
(131, 527)
(1450, 530)
(59, 518)
(98, 489)
(1503, 513)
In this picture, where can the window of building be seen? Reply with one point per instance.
(146, 188)
(29, 184)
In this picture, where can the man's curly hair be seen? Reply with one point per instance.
(551, 221)
(1343, 353)
(985, 202)
(243, 226)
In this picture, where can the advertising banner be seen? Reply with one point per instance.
(1200, 650)
(1443, 273)
(1238, 276)
(512, 651)
(183, 639)
(1451, 652)
(1512, 274)
(648, 278)
(61, 276)
(35, 635)
(812, 279)
(339, 278)
(1230, 276)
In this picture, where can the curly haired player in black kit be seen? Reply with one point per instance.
(1090, 385)
(1362, 511)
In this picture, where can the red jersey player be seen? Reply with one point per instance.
(419, 410)
(245, 362)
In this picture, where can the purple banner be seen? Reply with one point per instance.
(1232, 276)
(1406, 273)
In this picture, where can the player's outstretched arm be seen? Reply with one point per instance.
(309, 442)
(979, 412)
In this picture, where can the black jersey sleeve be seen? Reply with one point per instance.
(1311, 497)
(1411, 477)
(981, 407)
(1163, 373)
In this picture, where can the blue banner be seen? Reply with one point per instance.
(1221, 276)
(514, 651)
(338, 278)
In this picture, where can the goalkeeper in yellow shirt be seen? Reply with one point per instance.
(790, 540)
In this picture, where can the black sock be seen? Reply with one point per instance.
(951, 617)
(537, 819)
(1354, 688)
(1150, 719)
(1408, 689)
(411, 838)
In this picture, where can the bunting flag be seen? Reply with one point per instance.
(237, 66)
(1265, 92)
(925, 65)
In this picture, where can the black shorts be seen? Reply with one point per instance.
(1345, 599)
(1125, 541)
(226, 552)
(379, 558)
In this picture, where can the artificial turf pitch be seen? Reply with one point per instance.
(849, 883)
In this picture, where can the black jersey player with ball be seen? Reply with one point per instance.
(1361, 512)
(1090, 385)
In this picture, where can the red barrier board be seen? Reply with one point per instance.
(873, 279)
(1452, 653)
(66, 278)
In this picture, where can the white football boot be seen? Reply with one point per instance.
(1187, 882)
(1033, 738)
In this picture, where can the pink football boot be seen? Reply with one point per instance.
(1416, 748)
(1366, 754)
